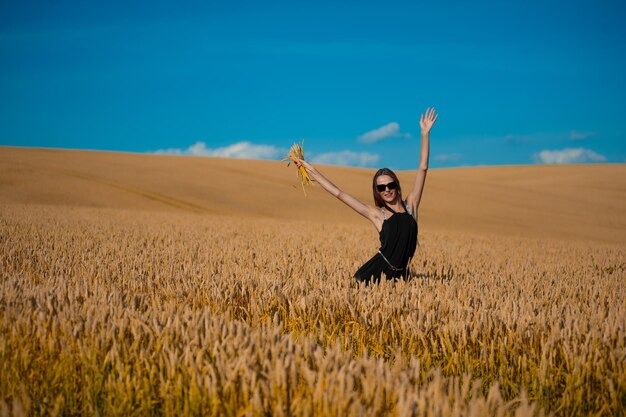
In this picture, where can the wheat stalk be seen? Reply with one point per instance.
(124, 313)
(296, 152)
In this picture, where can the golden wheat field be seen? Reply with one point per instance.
(153, 285)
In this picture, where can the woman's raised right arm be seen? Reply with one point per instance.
(364, 210)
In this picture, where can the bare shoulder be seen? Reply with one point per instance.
(411, 199)
(412, 204)
(374, 212)
(375, 216)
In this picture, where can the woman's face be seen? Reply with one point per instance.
(388, 195)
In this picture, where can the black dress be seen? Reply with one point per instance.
(398, 240)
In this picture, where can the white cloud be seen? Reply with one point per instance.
(568, 156)
(574, 135)
(519, 139)
(358, 159)
(447, 157)
(245, 150)
(390, 130)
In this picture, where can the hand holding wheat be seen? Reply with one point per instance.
(296, 155)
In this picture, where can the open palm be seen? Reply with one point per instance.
(428, 120)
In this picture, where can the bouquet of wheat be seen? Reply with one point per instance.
(295, 153)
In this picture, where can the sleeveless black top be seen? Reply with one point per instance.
(398, 240)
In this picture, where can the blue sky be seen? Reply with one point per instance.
(514, 82)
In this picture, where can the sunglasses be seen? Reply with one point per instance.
(391, 186)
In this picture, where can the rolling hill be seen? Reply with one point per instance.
(581, 202)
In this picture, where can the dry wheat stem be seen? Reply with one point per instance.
(296, 152)
(115, 312)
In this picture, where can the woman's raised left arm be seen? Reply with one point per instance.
(427, 121)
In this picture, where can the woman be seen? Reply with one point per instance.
(395, 219)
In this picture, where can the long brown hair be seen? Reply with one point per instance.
(378, 200)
